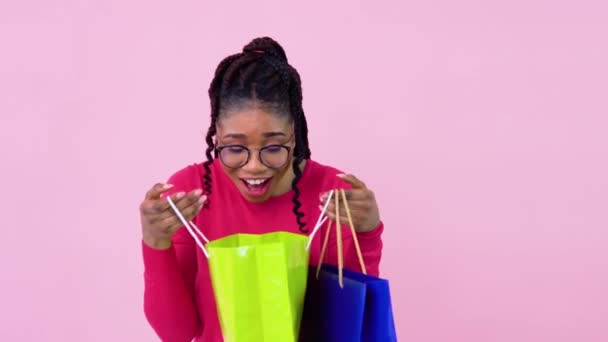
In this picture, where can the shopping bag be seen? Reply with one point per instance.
(344, 305)
(361, 310)
(259, 282)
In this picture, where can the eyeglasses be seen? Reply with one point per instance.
(237, 156)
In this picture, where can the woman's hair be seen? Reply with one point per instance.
(261, 76)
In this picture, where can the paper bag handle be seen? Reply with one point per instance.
(339, 241)
(191, 227)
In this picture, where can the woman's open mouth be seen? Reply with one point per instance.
(256, 186)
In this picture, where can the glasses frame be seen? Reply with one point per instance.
(218, 153)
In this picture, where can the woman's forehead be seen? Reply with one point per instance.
(252, 121)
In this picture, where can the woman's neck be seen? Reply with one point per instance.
(286, 180)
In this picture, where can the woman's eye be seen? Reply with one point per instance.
(273, 149)
(235, 149)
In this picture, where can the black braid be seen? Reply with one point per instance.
(302, 150)
(261, 73)
(295, 94)
(215, 108)
(296, 195)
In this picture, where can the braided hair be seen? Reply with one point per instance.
(260, 73)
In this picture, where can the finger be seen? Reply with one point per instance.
(178, 198)
(343, 218)
(353, 206)
(186, 212)
(355, 182)
(172, 223)
(358, 195)
(356, 209)
(354, 198)
(325, 195)
(191, 201)
(358, 212)
(154, 207)
(157, 190)
(330, 208)
(161, 206)
(158, 206)
(191, 212)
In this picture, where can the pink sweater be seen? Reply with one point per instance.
(178, 298)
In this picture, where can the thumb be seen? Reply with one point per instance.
(355, 182)
(157, 190)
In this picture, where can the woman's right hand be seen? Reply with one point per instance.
(159, 222)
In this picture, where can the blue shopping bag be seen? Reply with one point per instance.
(343, 305)
(360, 311)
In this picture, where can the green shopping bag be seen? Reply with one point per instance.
(259, 281)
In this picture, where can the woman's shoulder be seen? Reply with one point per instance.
(187, 178)
(324, 175)
(319, 169)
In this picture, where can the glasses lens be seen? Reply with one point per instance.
(234, 156)
(274, 156)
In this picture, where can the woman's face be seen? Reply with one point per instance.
(254, 129)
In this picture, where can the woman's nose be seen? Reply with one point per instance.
(254, 165)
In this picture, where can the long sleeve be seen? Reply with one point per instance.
(169, 301)
(168, 296)
(371, 248)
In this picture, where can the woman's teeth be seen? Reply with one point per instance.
(255, 181)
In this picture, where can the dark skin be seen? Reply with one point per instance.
(361, 202)
(159, 222)
(254, 128)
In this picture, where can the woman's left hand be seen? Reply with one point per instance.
(361, 202)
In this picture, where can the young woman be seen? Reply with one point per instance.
(258, 178)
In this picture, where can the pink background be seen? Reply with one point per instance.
(480, 125)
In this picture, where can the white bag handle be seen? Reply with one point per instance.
(191, 227)
(322, 218)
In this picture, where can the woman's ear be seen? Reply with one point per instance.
(217, 133)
